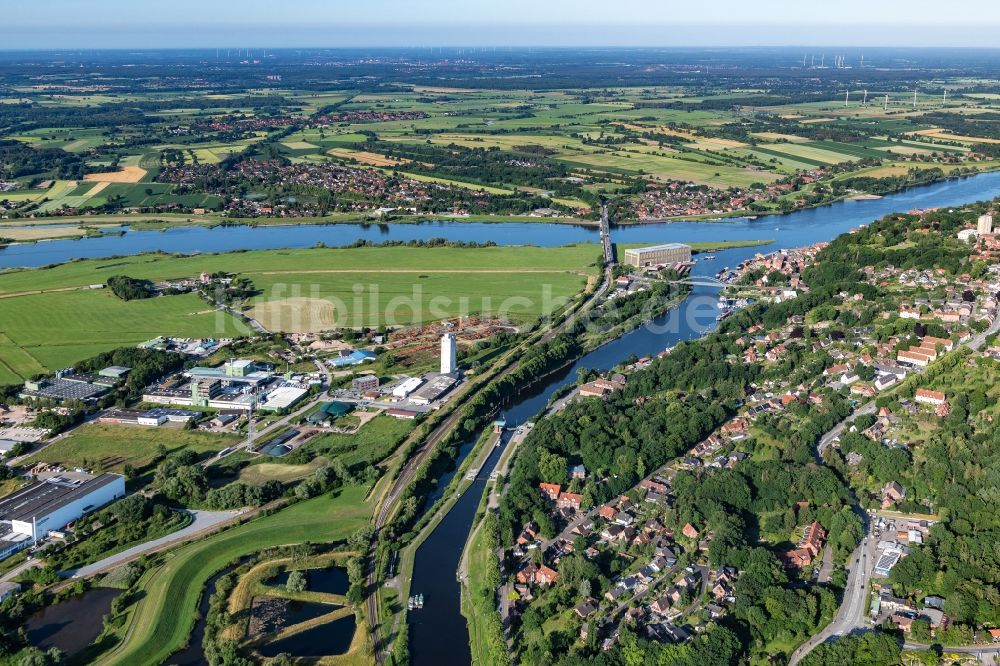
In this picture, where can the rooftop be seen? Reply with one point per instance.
(656, 248)
(44, 497)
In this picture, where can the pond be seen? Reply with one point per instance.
(320, 641)
(73, 624)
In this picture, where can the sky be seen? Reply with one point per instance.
(45, 24)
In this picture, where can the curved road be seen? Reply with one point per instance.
(204, 521)
(850, 616)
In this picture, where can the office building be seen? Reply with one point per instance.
(658, 255)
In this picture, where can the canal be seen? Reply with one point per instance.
(437, 559)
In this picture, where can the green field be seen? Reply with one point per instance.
(165, 615)
(49, 331)
(339, 287)
(108, 448)
(376, 440)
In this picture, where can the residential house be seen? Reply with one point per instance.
(928, 397)
(550, 490)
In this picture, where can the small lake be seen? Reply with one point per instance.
(320, 641)
(73, 624)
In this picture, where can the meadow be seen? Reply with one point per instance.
(356, 286)
(108, 448)
(52, 330)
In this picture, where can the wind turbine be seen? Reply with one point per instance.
(847, 98)
(864, 102)
(914, 98)
(945, 100)
(886, 107)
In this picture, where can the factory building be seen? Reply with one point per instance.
(407, 386)
(658, 255)
(434, 389)
(449, 353)
(51, 504)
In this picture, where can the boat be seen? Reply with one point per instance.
(708, 257)
(409, 604)
(724, 314)
(420, 601)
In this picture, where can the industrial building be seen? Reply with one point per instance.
(356, 357)
(86, 388)
(329, 412)
(151, 417)
(434, 389)
(658, 255)
(407, 386)
(284, 396)
(449, 354)
(115, 372)
(51, 504)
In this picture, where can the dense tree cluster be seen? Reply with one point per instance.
(129, 288)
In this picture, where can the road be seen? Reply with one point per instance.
(851, 614)
(204, 521)
(986, 654)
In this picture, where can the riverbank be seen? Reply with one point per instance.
(163, 221)
(432, 572)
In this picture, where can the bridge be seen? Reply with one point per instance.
(609, 250)
(700, 281)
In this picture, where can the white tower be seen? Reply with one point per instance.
(984, 225)
(449, 363)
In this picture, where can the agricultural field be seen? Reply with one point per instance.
(476, 150)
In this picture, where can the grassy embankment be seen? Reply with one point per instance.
(165, 615)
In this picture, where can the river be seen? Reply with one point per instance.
(437, 559)
(792, 230)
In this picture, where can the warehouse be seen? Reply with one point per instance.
(284, 397)
(51, 504)
(407, 386)
(658, 255)
(434, 389)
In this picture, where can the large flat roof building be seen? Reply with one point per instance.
(48, 505)
(658, 255)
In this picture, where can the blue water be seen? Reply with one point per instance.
(437, 559)
(791, 230)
